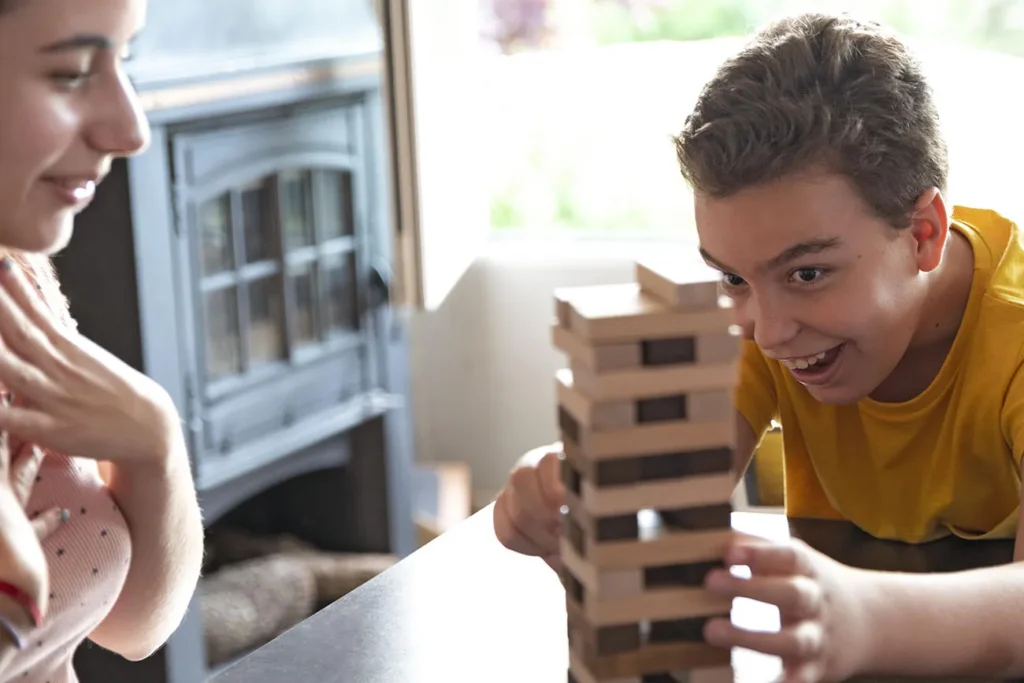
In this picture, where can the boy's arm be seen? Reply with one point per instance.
(960, 623)
(756, 404)
(744, 446)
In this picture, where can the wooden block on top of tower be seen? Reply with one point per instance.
(679, 283)
(622, 313)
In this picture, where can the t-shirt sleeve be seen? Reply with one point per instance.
(1012, 418)
(755, 397)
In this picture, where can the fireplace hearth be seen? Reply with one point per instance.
(243, 261)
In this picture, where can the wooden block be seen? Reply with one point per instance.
(601, 584)
(600, 416)
(656, 438)
(723, 347)
(607, 542)
(697, 406)
(682, 546)
(657, 658)
(598, 358)
(679, 283)
(718, 674)
(704, 489)
(657, 604)
(644, 382)
(638, 469)
(708, 347)
(578, 673)
(621, 312)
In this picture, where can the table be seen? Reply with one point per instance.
(463, 609)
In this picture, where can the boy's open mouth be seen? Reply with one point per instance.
(813, 369)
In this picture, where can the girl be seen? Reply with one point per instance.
(115, 554)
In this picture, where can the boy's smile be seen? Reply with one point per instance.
(825, 287)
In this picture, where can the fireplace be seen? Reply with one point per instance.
(243, 261)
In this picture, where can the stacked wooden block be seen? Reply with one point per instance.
(646, 419)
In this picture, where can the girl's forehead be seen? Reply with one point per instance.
(41, 23)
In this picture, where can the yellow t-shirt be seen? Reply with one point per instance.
(946, 461)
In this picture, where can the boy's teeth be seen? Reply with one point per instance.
(804, 363)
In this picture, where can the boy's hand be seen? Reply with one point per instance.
(823, 635)
(527, 512)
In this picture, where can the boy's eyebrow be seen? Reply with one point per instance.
(82, 41)
(805, 248)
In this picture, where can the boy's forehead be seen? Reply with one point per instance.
(792, 216)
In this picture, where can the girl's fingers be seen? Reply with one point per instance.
(24, 470)
(31, 425)
(25, 379)
(49, 521)
(28, 300)
(22, 336)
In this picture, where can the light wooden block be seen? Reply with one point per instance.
(681, 546)
(697, 406)
(679, 283)
(621, 312)
(661, 657)
(701, 489)
(657, 381)
(718, 674)
(598, 358)
(656, 437)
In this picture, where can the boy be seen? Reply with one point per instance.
(882, 331)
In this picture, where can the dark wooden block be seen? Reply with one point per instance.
(685, 464)
(668, 351)
(661, 409)
(680, 630)
(702, 518)
(679, 575)
(568, 424)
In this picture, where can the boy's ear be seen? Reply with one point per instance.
(929, 224)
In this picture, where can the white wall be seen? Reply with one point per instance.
(483, 364)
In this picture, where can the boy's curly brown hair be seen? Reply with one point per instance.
(818, 91)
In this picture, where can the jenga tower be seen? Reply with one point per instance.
(646, 418)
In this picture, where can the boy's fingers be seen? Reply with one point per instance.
(49, 521)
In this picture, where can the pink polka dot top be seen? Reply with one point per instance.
(88, 558)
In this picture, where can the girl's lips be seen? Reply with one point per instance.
(74, 192)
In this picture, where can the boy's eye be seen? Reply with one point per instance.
(808, 275)
(730, 280)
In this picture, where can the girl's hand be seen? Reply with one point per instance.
(823, 634)
(22, 563)
(76, 398)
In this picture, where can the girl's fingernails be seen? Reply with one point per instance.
(65, 515)
(6, 263)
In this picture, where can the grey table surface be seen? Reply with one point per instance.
(465, 609)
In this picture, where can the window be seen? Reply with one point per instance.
(278, 271)
(552, 119)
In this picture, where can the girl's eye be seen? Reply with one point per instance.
(71, 79)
